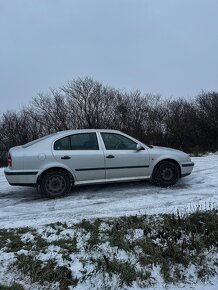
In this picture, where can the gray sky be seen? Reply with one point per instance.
(168, 47)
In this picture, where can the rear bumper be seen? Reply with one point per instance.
(20, 177)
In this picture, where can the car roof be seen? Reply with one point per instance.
(54, 136)
(87, 131)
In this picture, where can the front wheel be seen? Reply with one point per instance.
(166, 174)
(55, 184)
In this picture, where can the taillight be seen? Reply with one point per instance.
(9, 160)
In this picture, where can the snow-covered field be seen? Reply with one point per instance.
(20, 206)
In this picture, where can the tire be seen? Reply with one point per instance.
(165, 174)
(55, 184)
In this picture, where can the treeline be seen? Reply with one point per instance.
(189, 125)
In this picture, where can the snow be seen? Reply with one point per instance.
(22, 206)
(136, 234)
(27, 237)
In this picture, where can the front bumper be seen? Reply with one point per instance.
(187, 168)
(188, 164)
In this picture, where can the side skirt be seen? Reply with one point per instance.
(112, 180)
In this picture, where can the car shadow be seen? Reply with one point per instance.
(110, 187)
(92, 191)
(28, 193)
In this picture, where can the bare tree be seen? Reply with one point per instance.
(207, 107)
(51, 112)
(92, 102)
(86, 103)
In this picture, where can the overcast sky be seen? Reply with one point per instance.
(169, 47)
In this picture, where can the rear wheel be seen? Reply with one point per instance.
(166, 174)
(55, 184)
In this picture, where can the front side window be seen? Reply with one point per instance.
(83, 141)
(115, 141)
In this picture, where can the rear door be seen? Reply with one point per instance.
(83, 154)
(122, 160)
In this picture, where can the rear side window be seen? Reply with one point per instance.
(87, 141)
(115, 141)
(83, 141)
(62, 144)
(37, 140)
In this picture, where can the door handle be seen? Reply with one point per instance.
(110, 156)
(65, 157)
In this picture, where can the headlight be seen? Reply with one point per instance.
(188, 158)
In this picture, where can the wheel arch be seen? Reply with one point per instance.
(55, 168)
(170, 160)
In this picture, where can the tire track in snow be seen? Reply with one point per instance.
(20, 206)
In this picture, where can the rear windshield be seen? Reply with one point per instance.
(37, 140)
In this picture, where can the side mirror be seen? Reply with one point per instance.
(139, 147)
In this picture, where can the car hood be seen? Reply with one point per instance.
(166, 149)
(158, 150)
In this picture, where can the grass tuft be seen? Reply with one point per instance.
(48, 271)
(14, 286)
(126, 247)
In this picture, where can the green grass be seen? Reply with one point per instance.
(14, 286)
(93, 229)
(11, 241)
(173, 242)
(44, 272)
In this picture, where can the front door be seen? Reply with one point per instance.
(122, 160)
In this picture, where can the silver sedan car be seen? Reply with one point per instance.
(56, 162)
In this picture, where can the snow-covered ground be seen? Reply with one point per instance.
(20, 206)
